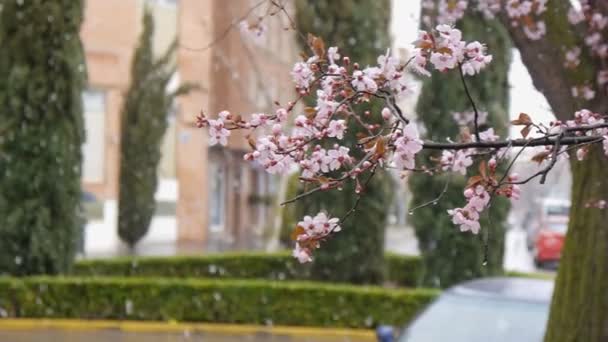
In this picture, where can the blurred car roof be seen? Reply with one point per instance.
(523, 289)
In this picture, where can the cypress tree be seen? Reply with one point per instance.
(42, 75)
(449, 255)
(144, 122)
(361, 30)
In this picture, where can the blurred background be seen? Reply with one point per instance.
(208, 199)
(170, 222)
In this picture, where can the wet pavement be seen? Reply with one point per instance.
(115, 335)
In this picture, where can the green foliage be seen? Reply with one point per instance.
(42, 75)
(144, 122)
(449, 255)
(221, 301)
(401, 270)
(361, 30)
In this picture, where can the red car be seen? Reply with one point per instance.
(549, 242)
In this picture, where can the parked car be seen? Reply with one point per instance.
(491, 309)
(548, 211)
(550, 241)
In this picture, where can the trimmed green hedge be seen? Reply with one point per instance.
(402, 270)
(211, 300)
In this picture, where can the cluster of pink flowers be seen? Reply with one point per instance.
(448, 51)
(478, 198)
(468, 117)
(450, 11)
(524, 13)
(583, 91)
(456, 161)
(527, 14)
(324, 161)
(594, 24)
(310, 231)
(468, 216)
(407, 144)
(589, 118)
(313, 142)
(489, 8)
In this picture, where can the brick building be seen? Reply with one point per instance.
(209, 198)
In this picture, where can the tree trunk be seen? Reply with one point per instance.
(579, 311)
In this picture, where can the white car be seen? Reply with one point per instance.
(490, 309)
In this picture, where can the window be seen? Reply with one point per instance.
(261, 193)
(217, 195)
(93, 149)
(163, 2)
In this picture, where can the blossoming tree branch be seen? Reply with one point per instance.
(310, 139)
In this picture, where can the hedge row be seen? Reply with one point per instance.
(210, 300)
(401, 270)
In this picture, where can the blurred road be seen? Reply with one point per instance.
(105, 335)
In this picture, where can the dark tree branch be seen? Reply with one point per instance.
(544, 141)
(466, 90)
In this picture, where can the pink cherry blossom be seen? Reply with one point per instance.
(336, 129)
(488, 135)
(303, 255)
(362, 82)
(218, 133)
(337, 157)
(457, 161)
(302, 75)
(333, 55)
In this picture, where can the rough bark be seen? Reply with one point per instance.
(544, 60)
(579, 311)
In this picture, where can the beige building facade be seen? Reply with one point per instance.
(220, 201)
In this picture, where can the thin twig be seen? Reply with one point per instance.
(466, 90)
(359, 195)
(224, 33)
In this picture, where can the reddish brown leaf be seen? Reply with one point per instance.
(380, 148)
(482, 169)
(474, 181)
(299, 230)
(523, 119)
(310, 112)
(317, 45)
(251, 142)
(525, 131)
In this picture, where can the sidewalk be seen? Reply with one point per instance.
(34, 330)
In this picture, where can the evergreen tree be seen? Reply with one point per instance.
(361, 30)
(449, 255)
(144, 122)
(42, 76)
